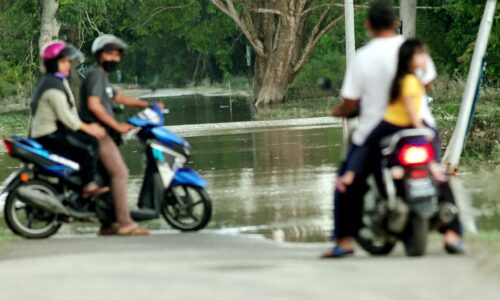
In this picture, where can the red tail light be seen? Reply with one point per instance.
(8, 146)
(416, 154)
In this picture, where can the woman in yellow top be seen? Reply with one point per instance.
(403, 111)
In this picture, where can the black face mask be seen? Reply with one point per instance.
(110, 65)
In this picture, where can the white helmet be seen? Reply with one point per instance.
(108, 42)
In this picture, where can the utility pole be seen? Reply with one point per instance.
(457, 142)
(408, 16)
(350, 50)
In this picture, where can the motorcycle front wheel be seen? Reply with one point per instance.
(27, 221)
(187, 208)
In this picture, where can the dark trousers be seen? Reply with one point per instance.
(76, 146)
(348, 206)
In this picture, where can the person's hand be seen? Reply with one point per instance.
(160, 105)
(96, 130)
(124, 128)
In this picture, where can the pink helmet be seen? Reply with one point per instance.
(55, 49)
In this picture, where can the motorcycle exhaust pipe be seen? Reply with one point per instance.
(42, 201)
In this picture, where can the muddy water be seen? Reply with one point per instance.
(270, 180)
(266, 180)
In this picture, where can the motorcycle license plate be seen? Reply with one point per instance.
(420, 188)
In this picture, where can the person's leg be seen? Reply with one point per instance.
(453, 231)
(368, 155)
(113, 162)
(347, 212)
(86, 149)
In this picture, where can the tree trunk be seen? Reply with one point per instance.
(283, 34)
(408, 15)
(49, 28)
(271, 79)
(274, 70)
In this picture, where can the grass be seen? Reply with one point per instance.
(14, 122)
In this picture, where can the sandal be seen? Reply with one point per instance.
(457, 248)
(337, 252)
(133, 230)
(108, 230)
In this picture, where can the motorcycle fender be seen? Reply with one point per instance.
(424, 208)
(11, 181)
(185, 176)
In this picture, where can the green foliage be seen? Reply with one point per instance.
(185, 41)
(451, 31)
(18, 50)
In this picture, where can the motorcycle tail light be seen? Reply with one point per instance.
(416, 154)
(8, 146)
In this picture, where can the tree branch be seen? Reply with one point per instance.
(313, 41)
(328, 6)
(267, 11)
(227, 7)
(161, 9)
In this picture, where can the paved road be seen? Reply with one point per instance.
(215, 266)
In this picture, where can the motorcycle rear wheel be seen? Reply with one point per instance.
(415, 240)
(187, 208)
(374, 248)
(27, 221)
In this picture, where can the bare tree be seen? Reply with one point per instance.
(283, 34)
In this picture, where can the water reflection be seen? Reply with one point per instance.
(265, 180)
(201, 110)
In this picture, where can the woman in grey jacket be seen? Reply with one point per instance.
(55, 121)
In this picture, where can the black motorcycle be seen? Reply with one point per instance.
(403, 204)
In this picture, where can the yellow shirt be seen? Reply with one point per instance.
(396, 113)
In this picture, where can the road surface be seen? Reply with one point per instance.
(211, 265)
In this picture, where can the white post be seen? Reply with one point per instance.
(456, 145)
(350, 45)
(408, 16)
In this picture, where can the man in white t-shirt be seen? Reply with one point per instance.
(366, 86)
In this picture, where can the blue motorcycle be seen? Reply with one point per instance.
(42, 194)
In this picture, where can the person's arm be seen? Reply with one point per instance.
(93, 129)
(413, 112)
(412, 93)
(350, 92)
(429, 75)
(344, 109)
(130, 101)
(68, 116)
(64, 114)
(99, 111)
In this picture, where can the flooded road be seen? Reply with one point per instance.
(268, 178)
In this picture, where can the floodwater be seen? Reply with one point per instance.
(270, 180)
